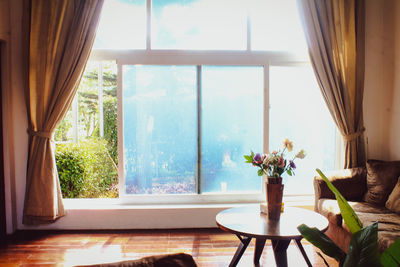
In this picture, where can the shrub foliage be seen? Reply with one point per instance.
(86, 170)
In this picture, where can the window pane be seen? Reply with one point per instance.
(122, 25)
(199, 24)
(275, 25)
(298, 112)
(232, 125)
(160, 129)
(86, 150)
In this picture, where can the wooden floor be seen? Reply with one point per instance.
(209, 247)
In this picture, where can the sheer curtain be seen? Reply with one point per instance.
(61, 35)
(335, 36)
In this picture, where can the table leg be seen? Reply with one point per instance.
(244, 242)
(280, 247)
(260, 242)
(303, 252)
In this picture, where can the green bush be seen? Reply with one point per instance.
(86, 170)
(71, 170)
(110, 126)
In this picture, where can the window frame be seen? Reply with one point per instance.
(264, 59)
(149, 56)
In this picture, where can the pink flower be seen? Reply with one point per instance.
(281, 162)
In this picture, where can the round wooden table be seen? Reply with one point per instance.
(248, 222)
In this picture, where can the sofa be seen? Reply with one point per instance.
(373, 192)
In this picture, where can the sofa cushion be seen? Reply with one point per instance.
(388, 222)
(381, 179)
(326, 206)
(351, 183)
(388, 227)
(393, 202)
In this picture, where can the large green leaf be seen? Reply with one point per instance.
(363, 248)
(391, 256)
(349, 216)
(320, 240)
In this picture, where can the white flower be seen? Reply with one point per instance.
(288, 144)
(301, 154)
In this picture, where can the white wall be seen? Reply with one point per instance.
(14, 113)
(394, 140)
(19, 122)
(380, 75)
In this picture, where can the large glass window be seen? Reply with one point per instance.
(122, 25)
(275, 26)
(177, 91)
(199, 24)
(298, 112)
(160, 129)
(163, 147)
(232, 124)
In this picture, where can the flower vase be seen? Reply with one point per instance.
(274, 194)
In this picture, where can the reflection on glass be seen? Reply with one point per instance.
(275, 25)
(232, 125)
(199, 24)
(298, 112)
(160, 129)
(122, 25)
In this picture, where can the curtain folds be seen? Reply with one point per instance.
(335, 36)
(61, 35)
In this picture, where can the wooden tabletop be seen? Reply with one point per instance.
(249, 221)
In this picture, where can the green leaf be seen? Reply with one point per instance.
(260, 172)
(349, 216)
(320, 240)
(289, 172)
(363, 248)
(249, 158)
(391, 256)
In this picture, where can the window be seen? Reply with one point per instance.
(122, 25)
(87, 140)
(231, 122)
(298, 111)
(182, 24)
(195, 85)
(160, 129)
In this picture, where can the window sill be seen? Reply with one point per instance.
(108, 204)
(96, 214)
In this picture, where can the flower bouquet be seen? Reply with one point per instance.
(274, 164)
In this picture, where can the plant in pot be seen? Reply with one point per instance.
(363, 247)
(273, 165)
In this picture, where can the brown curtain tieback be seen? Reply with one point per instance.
(353, 136)
(43, 134)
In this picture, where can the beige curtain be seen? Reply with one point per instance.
(61, 35)
(335, 35)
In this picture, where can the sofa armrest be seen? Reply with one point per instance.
(351, 183)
